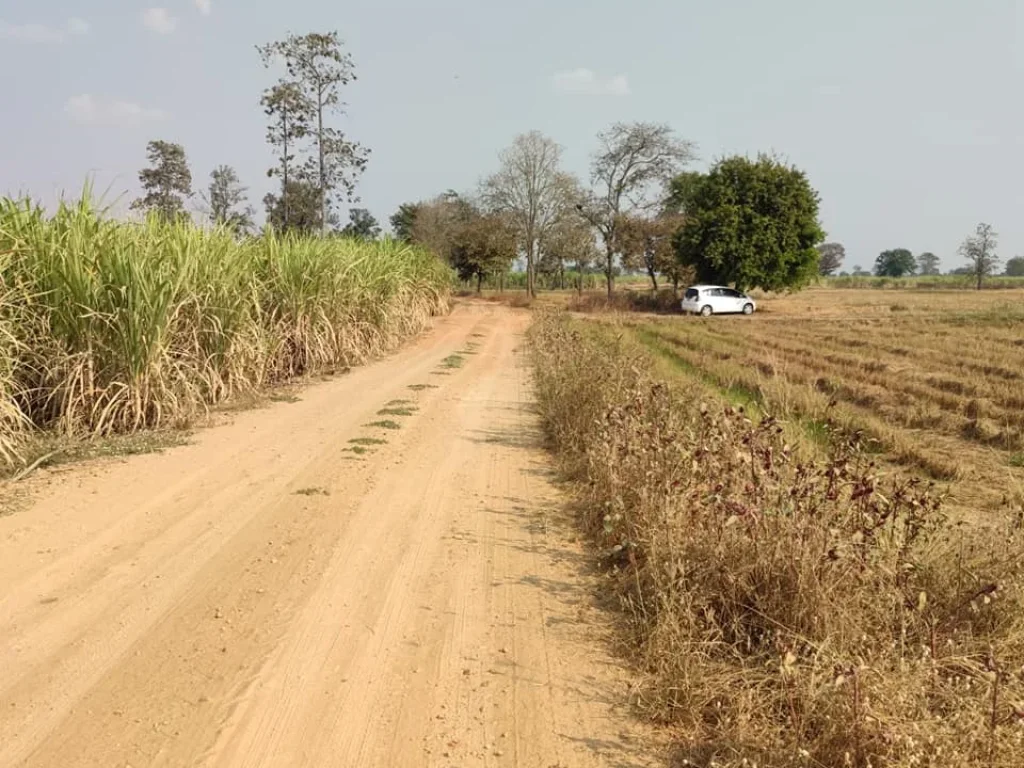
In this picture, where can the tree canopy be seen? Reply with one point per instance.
(753, 224)
(646, 243)
(830, 258)
(227, 200)
(317, 69)
(361, 225)
(297, 209)
(570, 241)
(167, 182)
(484, 244)
(928, 264)
(896, 262)
(403, 220)
(1015, 267)
(980, 252)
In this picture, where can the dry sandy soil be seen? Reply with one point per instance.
(265, 597)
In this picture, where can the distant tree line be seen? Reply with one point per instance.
(748, 222)
(751, 223)
(978, 252)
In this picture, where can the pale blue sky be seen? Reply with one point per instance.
(906, 114)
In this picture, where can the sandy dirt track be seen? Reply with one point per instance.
(263, 597)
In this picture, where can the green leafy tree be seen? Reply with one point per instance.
(1015, 267)
(681, 191)
(980, 253)
(754, 224)
(896, 262)
(319, 67)
(289, 113)
(361, 225)
(296, 209)
(928, 264)
(403, 220)
(830, 258)
(629, 173)
(859, 271)
(227, 201)
(167, 182)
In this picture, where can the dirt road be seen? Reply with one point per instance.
(266, 597)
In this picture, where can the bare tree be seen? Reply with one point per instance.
(630, 173)
(531, 192)
(980, 252)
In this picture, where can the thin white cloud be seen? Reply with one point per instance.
(205, 7)
(78, 27)
(159, 20)
(586, 81)
(41, 33)
(91, 110)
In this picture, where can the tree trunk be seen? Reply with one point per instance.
(285, 200)
(479, 283)
(979, 279)
(531, 288)
(654, 278)
(320, 150)
(501, 282)
(608, 273)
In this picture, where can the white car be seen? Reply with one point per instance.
(716, 300)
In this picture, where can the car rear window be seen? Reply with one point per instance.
(691, 293)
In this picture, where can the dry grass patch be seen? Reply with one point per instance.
(787, 607)
(940, 393)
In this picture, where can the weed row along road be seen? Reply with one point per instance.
(270, 596)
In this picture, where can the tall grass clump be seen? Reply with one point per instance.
(109, 326)
(784, 611)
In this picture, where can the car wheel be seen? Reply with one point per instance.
(748, 309)
(706, 310)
